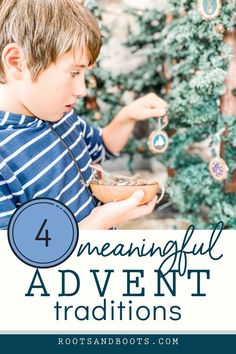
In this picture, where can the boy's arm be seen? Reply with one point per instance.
(94, 142)
(112, 214)
(116, 134)
(7, 205)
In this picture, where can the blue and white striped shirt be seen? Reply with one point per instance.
(35, 163)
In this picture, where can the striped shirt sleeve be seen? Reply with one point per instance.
(7, 205)
(93, 139)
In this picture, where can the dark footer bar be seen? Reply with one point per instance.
(116, 343)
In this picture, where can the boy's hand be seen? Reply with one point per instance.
(116, 134)
(145, 107)
(111, 214)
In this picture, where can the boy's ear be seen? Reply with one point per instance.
(13, 60)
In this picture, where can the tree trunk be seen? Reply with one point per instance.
(228, 102)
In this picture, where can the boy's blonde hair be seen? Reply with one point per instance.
(47, 29)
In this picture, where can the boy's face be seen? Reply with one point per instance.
(56, 89)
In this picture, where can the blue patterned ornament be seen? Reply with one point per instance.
(218, 169)
(209, 9)
(158, 141)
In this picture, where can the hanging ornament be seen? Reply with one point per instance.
(217, 166)
(158, 140)
(209, 9)
(218, 169)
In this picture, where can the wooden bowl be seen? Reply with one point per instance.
(107, 194)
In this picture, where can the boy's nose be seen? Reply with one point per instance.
(80, 89)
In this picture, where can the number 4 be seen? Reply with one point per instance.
(46, 238)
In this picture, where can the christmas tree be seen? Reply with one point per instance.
(185, 60)
(197, 61)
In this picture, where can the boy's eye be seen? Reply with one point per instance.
(74, 74)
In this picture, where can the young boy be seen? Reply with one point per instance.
(46, 150)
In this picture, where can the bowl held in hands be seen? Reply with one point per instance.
(116, 193)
